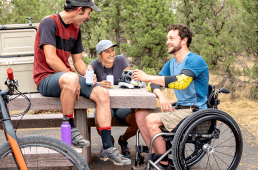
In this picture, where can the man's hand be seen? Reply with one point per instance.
(140, 75)
(165, 104)
(94, 79)
(78, 91)
(106, 84)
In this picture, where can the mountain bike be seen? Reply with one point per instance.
(31, 152)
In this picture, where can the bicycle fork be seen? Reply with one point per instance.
(11, 137)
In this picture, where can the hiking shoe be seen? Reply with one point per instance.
(114, 155)
(77, 139)
(124, 147)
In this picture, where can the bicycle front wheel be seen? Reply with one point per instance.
(42, 152)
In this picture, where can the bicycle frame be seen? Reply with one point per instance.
(9, 130)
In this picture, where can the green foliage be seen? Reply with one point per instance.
(216, 32)
(249, 39)
(18, 10)
(88, 60)
(146, 33)
(138, 26)
(150, 71)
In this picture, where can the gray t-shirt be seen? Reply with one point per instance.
(116, 70)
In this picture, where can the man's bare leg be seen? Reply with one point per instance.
(140, 117)
(153, 122)
(103, 115)
(69, 83)
(100, 96)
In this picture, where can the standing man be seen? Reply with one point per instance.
(188, 75)
(57, 37)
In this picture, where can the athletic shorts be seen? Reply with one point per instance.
(121, 113)
(171, 119)
(49, 86)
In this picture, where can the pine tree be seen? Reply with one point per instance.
(106, 25)
(215, 34)
(21, 9)
(249, 39)
(146, 33)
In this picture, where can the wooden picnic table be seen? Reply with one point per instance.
(136, 98)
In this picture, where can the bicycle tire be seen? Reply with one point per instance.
(193, 120)
(52, 151)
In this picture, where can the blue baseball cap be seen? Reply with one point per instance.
(103, 45)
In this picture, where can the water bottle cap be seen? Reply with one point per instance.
(65, 119)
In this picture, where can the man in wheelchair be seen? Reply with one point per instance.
(188, 75)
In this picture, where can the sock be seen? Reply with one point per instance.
(156, 156)
(106, 137)
(164, 166)
(124, 137)
(71, 120)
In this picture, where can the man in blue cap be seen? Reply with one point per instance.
(57, 38)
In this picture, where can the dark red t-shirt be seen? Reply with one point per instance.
(66, 38)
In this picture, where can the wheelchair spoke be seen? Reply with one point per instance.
(222, 142)
(208, 161)
(198, 165)
(219, 129)
(224, 154)
(221, 160)
(189, 147)
(224, 131)
(225, 146)
(216, 161)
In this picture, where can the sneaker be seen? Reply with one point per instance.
(124, 147)
(77, 139)
(114, 155)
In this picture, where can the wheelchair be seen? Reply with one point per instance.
(206, 139)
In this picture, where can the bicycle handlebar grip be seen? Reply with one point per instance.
(10, 73)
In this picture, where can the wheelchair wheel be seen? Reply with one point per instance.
(215, 139)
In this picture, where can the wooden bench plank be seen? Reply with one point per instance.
(119, 98)
(52, 121)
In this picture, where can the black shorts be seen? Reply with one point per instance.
(49, 86)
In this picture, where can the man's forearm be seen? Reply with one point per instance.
(56, 64)
(159, 80)
(158, 93)
(80, 67)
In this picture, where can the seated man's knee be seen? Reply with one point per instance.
(100, 94)
(151, 119)
(69, 81)
(140, 115)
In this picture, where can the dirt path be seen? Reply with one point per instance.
(248, 161)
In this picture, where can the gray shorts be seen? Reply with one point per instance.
(121, 113)
(49, 86)
(171, 119)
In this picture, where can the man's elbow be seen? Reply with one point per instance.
(179, 86)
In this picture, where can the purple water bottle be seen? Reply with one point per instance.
(66, 131)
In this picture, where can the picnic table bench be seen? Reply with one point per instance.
(119, 97)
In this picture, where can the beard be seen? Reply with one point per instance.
(176, 48)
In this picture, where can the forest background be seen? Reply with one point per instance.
(225, 34)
